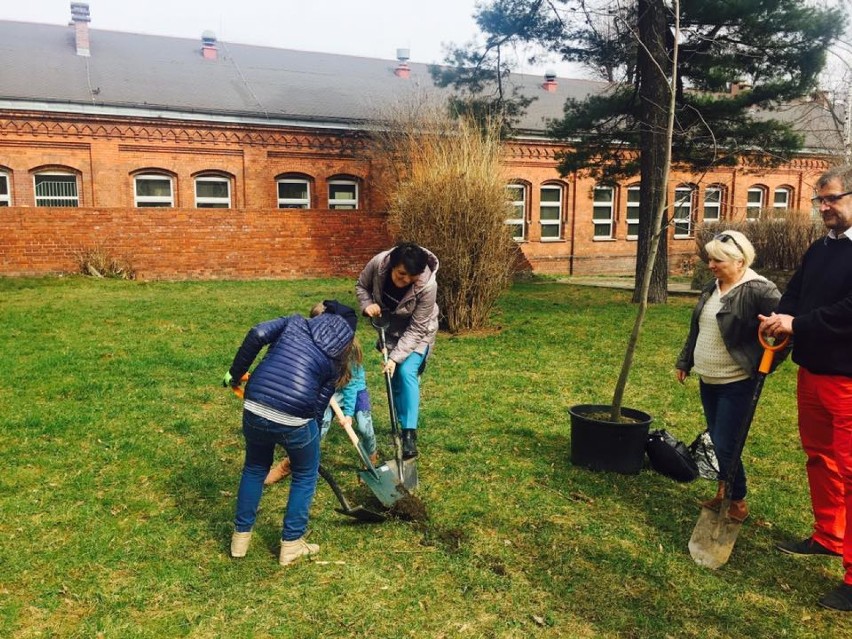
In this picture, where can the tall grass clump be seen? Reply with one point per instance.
(780, 241)
(445, 189)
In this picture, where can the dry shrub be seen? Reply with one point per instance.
(780, 240)
(444, 183)
(100, 262)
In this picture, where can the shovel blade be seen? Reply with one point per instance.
(384, 484)
(714, 537)
(409, 473)
(362, 514)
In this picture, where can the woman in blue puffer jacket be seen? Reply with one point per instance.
(285, 399)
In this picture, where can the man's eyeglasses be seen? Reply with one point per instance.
(828, 199)
(724, 237)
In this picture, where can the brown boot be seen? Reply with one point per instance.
(277, 473)
(738, 510)
(374, 458)
(716, 502)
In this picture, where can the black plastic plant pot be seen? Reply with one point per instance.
(603, 445)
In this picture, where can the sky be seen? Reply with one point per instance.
(369, 28)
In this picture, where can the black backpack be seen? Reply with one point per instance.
(670, 457)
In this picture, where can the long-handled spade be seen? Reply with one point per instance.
(405, 469)
(715, 533)
(381, 480)
(357, 512)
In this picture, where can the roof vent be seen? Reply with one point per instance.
(208, 46)
(80, 19)
(550, 82)
(402, 69)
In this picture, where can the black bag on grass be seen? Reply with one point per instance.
(670, 457)
(704, 454)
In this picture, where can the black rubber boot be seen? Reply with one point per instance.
(409, 443)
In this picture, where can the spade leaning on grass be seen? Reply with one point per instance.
(285, 399)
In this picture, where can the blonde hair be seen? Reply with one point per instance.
(730, 246)
(352, 355)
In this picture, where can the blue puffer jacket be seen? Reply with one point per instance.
(298, 373)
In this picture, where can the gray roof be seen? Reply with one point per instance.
(169, 76)
(40, 64)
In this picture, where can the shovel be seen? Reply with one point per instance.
(715, 533)
(405, 470)
(381, 480)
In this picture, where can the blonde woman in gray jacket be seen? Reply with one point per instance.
(723, 349)
(402, 282)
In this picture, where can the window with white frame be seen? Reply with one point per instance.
(518, 198)
(56, 189)
(682, 214)
(5, 190)
(212, 192)
(294, 193)
(603, 210)
(781, 199)
(712, 204)
(153, 190)
(342, 194)
(754, 202)
(632, 212)
(550, 212)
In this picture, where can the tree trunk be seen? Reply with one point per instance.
(654, 97)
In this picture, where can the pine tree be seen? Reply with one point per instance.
(774, 47)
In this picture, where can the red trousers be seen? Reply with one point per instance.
(825, 426)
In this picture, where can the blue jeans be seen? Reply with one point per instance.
(725, 406)
(405, 385)
(302, 446)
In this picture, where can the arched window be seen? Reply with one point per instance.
(212, 191)
(517, 192)
(713, 197)
(5, 189)
(603, 212)
(294, 191)
(153, 190)
(755, 202)
(56, 188)
(781, 198)
(632, 213)
(342, 193)
(551, 197)
(682, 213)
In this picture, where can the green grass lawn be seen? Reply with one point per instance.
(122, 452)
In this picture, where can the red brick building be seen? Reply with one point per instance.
(202, 159)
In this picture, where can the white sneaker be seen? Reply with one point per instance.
(240, 543)
(292, 550)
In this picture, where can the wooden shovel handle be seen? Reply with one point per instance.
(343, 421)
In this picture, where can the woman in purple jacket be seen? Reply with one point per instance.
(285, 399)
(402, 281)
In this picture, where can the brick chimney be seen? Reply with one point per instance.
(550, 82)
(738, 87)
(208, 46)
(402, 69)
(80, 19)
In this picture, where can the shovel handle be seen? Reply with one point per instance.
(343, 422)
(769, 351)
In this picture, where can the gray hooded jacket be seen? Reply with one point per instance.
(414, 322)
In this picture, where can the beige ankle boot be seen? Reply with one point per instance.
(240, 543)
(292, 550)
(277, 473)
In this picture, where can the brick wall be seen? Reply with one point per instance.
(194, 243)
